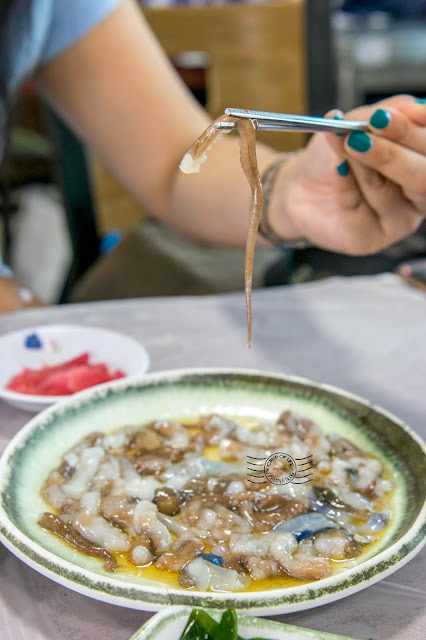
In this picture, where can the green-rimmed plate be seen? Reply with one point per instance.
(170, 623)
(38, 447)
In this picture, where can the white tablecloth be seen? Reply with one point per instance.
(367, 335)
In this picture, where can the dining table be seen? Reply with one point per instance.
(366, 335)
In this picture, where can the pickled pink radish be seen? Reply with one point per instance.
(63, 379)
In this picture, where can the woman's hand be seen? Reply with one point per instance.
(362, 192)
(14, 297)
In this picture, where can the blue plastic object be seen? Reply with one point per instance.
(109, 241)
(211, 557)
(32, 341)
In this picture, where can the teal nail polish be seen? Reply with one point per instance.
(421, 100)
(380, 119)
(343, 169)
(359, 141)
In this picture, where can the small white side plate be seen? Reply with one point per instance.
(60, 343)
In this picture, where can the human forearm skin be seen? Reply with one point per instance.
(135, 112)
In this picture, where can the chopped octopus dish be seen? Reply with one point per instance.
(196, 503)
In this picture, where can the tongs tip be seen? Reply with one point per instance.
(290, 122)
(226, 126)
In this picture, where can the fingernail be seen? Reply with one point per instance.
(343, 169)
(338, 116)
(380, 119)
(359, 141)
(421, 100)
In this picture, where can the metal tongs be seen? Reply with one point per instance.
(267, 121)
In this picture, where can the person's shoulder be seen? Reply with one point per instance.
(72, 19)
(38, 30)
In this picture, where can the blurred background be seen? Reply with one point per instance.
(71, 233)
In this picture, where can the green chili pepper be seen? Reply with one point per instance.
(227, 627)
(195, 631)
(201, 626)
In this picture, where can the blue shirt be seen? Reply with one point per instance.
(37, 31)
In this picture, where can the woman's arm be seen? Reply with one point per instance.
(118, 90)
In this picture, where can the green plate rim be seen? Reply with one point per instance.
(95, 585)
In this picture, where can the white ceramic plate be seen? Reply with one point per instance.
(59, 343)
(38, 448)
(170, 623)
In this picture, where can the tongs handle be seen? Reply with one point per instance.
(270, 121)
